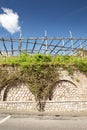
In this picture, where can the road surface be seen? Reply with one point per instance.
(9, 122)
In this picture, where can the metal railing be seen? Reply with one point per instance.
(43, 45)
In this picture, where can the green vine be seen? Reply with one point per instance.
(39, 71)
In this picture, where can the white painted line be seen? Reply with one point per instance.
(6, 118)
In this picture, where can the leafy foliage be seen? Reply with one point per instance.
(39, 71)
(40, 79)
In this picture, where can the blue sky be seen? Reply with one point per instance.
(55, 16)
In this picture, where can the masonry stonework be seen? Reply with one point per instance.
(69, 95)
(17, 97)
(18, 92)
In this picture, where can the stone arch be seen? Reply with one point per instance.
(18, 92)
(64, 90)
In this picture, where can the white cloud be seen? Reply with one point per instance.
(9, 20)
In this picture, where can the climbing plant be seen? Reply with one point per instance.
(39, 72)
(40, 79)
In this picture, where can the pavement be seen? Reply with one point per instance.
(36, 122)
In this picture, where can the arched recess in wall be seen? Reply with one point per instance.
(18, 92)
(64, 90)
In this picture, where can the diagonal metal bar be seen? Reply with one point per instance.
(41, 45)
(63, 46)
(12, 50)
(81, 43)
(75, 51)
(1, 53)
(56, 46)
(71, 46)
(34, 46)
(79, 46)
(27, 45)
(48, 46)
(3, 40)
(84, 46)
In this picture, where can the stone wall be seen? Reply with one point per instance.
(18, 92)
(69, 95)
(65, 90)
(30, 106)
(17, 97)
(66, 107)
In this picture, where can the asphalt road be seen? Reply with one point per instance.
(42, 123)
